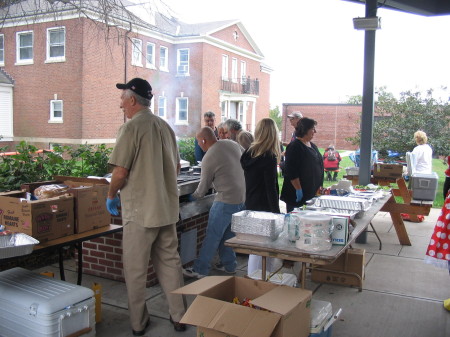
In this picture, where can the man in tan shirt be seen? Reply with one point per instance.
(221, 169)
(146, 163)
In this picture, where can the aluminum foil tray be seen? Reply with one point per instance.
(345, 203)
(18, 244)
(261, 224)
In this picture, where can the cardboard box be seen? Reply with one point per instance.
(352, 262)
(42, 219)
(215, 314)
(90, 200)
(387, 170)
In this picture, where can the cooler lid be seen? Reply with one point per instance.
(41, 294)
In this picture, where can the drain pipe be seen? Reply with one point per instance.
(126, 60)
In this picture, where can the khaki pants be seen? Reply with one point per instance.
(160, 244)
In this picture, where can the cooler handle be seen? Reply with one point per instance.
(332, 319)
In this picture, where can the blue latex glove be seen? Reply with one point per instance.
(299, 195)
(191, 198)
(112, 204)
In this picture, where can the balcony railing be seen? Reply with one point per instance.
(243, 85)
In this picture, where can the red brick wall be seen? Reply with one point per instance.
(103, 256)
(335, 122)
(86, 81)
(228, 36)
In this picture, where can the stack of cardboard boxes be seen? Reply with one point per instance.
(83, 208)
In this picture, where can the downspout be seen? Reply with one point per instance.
(126, 61)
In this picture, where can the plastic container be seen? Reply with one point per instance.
(314, 232)
(424, 186)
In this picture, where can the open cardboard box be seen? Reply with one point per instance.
(89, 200)
(42, 219)
(285, 310)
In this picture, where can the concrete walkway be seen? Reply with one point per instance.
(402, 296)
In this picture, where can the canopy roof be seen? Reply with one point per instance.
(421, 7)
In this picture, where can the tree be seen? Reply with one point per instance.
(356, 99)
(276, 116)
(396, 120)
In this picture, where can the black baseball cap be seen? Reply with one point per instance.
(139, 86)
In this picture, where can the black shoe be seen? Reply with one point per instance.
(141, 332)
(177, 325)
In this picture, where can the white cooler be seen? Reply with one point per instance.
(39, 306)
(424, 186)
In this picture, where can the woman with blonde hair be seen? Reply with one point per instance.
(423, 153)
(260, 162)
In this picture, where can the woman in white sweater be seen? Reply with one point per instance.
(423, 153)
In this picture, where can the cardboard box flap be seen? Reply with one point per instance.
(229, 318)
(94, 181)
(202, 285)
(282, 299)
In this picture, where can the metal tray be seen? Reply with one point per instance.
(19, 244)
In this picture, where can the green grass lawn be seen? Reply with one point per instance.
(438, 166)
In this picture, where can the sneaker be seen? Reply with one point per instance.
(190, 272)
(219, 266)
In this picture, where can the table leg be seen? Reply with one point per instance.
(303, 275)
(80, 262)
(61, 264)
(399, 226)
(263, 268)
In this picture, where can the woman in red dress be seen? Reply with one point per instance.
(438, 252)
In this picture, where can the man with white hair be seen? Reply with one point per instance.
(233, 130)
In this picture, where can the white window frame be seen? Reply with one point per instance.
(54, 119)
(163, 66)
(162, 106)
(2, 50)
(225, 67)
(183, 66)
(136, 52)
(150, 61)
(179, 121)
(20, 61)
(243, 72)
(240, 112)
(49, 45)
(234, 70)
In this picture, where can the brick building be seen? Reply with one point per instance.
(335, 122)
(60, 71)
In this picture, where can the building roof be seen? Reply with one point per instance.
(5, 78)
(123, 11)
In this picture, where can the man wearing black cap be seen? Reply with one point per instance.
(145, 164)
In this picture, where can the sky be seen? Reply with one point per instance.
(316, 54)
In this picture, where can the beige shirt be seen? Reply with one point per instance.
(221, 169)
(146, 146)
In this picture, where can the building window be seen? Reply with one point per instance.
(243, 72)
(150, 58)
(24, 42)
(225, 67)
(2, 50)
(136, 58)
(241, 112)
(182, 110)
(56, 44)
(56, 111)
(234, 70)
(164, 58)
(183, 62)
(224, 110)
(162, 103)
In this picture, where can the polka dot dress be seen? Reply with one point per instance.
(438, 252)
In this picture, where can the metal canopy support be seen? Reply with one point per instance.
(368, 100)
